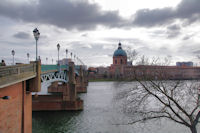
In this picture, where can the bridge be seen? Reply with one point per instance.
(60, 85)
(34, 87)
(53, 87)
(48, 74)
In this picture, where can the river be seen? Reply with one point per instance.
(102, 114)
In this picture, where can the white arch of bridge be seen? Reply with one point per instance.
(48, 78)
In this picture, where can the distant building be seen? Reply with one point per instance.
(92, 70)
(184, 64)
(119, 62)
(64, 61)
(121, 69)
(102, 70)
(129, 63)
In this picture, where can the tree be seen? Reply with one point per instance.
(143, 60)
(155, 98)
(132, 54)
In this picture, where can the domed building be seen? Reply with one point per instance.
(119, 62)
(119, 56)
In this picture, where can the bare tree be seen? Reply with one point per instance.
(155, 98)
(132, 54)
(143, 60)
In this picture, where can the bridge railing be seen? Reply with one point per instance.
(53, 68)
(13, 74)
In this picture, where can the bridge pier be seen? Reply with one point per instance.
(81, 85)
(63, 96)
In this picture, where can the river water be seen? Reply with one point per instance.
(102, 114)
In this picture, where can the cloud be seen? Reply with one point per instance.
(170, 32)
(196, 52)
(173, 31)
(85, 35)
(22, 35)
(174, 27)
(67, 14)
(125, 41)
(187, 10)
(84, 15)
(148, 18)
(187, 37)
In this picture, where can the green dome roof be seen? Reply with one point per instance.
(119, 51)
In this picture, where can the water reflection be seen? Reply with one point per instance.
(102, 114)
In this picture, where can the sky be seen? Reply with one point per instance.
(92, 29)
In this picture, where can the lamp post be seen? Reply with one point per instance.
(66, 52)
(52, 61)
(74, 59)
(13, 54)
(78, 61)
(36, 34)
(71, 55)
(46, 60)
(58, 47)
(28, 55)
(66, 56)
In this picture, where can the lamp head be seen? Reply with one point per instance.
(58, 46)
(36, 34)
(13, 52)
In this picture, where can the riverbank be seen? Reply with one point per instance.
(110, 80)
(102, 80)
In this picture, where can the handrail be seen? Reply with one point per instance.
(17, 69)
(17, 73)
(50, 71)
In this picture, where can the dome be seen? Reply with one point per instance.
(119, 51)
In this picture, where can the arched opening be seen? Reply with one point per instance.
(115, 61)
(121, 61)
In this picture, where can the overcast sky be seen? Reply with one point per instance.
(92, 29)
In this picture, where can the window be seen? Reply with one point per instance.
(115, 61)
(121, 61)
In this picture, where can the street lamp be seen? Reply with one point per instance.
(58, 47)
(66, 52)
(71, 55)
(74, 59)
(52, 61)
(46, 60)
(78, 61)
(13, 54)
(36, 34)
(28, 55)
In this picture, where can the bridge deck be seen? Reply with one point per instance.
(10, 75)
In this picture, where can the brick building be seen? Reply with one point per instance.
(120, 69)
(119, 62)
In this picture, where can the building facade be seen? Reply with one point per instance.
(119, 62)
(187, 64)
(121, 69)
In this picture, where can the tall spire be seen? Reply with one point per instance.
(119, 45)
